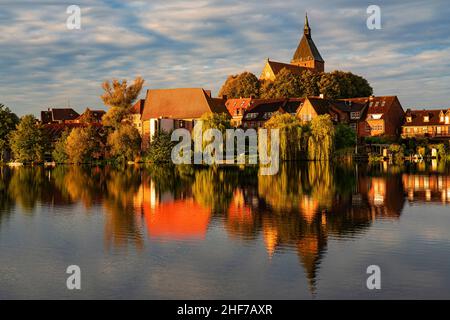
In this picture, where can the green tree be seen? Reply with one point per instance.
(242, 85)
(83, 145)
(59, 152)
(291, 134)
(160, 149)
(8, 122)
(345, 137)
(340, 85)
(28, 141)
(125, 143)
(321, 140)
(119, 96)
(286, 85)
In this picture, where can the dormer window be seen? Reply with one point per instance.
(441, 119)
(426, 119)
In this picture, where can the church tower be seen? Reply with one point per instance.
(307, 54)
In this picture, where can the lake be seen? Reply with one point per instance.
(156, 232)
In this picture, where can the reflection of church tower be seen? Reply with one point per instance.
(310, 249)
(307, 55)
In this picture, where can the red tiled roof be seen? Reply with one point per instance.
(418, 117)
(61, 114)
(180, 104)
(263, 106)
(376, 105)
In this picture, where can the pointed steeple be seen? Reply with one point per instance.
(307, 55)
(307, 28)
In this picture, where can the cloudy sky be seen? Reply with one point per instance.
(174, 43)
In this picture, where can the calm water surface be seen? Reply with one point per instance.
(154, 232)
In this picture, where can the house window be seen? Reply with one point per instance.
(251, 115)
(447, 120)
(439, 130)
(426, 119)
(353, 126)
(306, 117)
(441, 119)
(408, 119)
(355, 115)
(180, 124)
(267, 115)
(237, 112)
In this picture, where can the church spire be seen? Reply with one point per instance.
(307, 28)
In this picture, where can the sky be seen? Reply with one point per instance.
(174, 43)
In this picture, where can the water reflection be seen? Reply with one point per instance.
(298, 210)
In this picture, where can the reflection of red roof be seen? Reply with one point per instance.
(180, 219)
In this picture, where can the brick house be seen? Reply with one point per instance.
(262, 110)
(169, 109)
(344, 112)
(135, 116)
(384, 116)
(427, 124)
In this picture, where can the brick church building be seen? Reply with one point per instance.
(306, 57)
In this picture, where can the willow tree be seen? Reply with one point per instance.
(291, 134)
(321, 139)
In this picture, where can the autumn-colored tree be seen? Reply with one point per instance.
(291, 138)
(28, 141)
(88, 117)
(243, 85)
(83, 145)
(321, 139)
(8, 122)
(114, 117)
(125, 143)
(120, 96)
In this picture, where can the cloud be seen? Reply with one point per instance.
(176, 43)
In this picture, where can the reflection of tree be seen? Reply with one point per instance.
(121, 222)
(27, 186)
(213, 188)
(6, 202)
(302, 205)
(84, 184)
